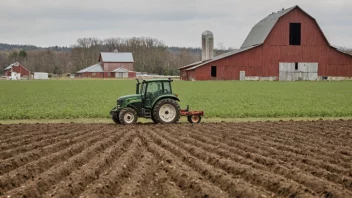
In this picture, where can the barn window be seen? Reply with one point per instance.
(296, 66)
(295, 33)
(94, 74)
(109, 74)
(213, 71)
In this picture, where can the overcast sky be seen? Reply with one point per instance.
(176, 22)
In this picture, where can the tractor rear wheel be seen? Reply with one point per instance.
(115, 117)
(166, 111)
(128, 116)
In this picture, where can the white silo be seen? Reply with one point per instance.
(207, 45)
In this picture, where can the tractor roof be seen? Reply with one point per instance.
(156, 80)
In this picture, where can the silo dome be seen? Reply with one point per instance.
(207, 34)
(207, 45)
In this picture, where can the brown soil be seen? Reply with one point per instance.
(258, 159)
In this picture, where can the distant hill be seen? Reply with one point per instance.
(9, 47)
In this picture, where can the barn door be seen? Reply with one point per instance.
(242, 75)
(298, 71)
(119, 74)
(308, 71)
(286, 71)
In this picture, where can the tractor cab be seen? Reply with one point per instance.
(150, 90)
(153, 100)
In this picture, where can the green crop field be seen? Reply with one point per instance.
(61, 99)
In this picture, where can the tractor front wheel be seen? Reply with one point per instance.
(115, 117)
(128, 116)
(166, 111)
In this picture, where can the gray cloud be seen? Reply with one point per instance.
(177, 23)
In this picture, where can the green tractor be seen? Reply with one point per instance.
(153, 100)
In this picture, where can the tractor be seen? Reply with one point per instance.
(153, 100)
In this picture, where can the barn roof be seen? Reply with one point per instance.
(192, 64)
(262, 29)
(16, 64)
(117, 57)
(224, 55)
(93, 68)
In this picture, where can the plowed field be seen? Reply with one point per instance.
(259, 159)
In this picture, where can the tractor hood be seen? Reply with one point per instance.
(123, 101)
(129, 96)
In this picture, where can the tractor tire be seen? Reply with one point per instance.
(115, 117)
(166, 111)
(194, 119)
(128, 116)
(154, 119)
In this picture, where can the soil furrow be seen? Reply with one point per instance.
(191, 182)
(274, 183)
(297, 174)
(110, 182)
(24, 158)
(38, 144)
(139, 178)
(48, 131)
(39, 185)
(15, 178)
(291, 144)
(76, 182)
(329, 163)
(253, 159)
(34, 138)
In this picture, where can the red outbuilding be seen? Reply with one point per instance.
(111, 65)
(286, 45)
(16, 69)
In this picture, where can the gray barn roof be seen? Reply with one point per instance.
(223, 56)
(93, 68)
(117, 57)
(13, 64)
(262, 29)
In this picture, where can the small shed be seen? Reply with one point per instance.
(40, 76)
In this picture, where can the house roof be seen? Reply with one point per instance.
(94, 68)
(224, 55)
(117, 57)
(16, 64)
(120, 70)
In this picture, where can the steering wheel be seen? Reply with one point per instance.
(149, 95)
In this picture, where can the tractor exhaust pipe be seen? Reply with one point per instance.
(137, 86)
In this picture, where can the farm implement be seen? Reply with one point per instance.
(153, 100)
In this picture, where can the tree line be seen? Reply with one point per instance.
(150, 55)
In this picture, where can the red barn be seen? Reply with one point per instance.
(111, 65)
(286, 45)
(16, 68)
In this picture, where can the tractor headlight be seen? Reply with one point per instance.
(119, 103)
